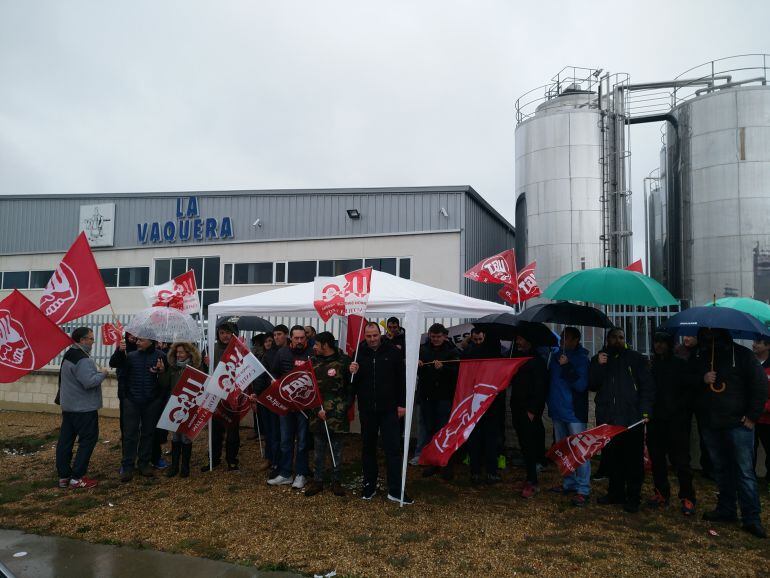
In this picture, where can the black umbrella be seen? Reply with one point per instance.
(248, 323)
(566, 313)
(740, 325)
(506, 326)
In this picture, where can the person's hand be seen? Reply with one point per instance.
(747, 423)
(710, 378)
(401, 412)
(122, 345)
(563, 359)
(437, 364)
(603, 357)
(322, 414)
(105, 371)
(159, 367)
(354, 368)
(420, 363)
(531, 416)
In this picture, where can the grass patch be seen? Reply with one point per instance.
(399, 561)
(654, 563)
(412, 537)
(16, 491)
(75, 506)
(83, 529)
(29, 443)
(361, 539)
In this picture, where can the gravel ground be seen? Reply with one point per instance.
(452, 530)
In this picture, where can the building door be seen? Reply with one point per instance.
(206, 276)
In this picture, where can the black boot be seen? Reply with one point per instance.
(176, 450)
(186, 453)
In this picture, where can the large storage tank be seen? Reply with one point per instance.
(559, 176)
(719, 159)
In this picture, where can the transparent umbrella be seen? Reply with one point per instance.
(164, 324)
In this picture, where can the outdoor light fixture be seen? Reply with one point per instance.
(257, 223)
(354, 214)
(443, 212)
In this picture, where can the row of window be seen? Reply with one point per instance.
(207, 273)
(268, 272)
(112, 277)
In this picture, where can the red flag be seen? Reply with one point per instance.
(237, 368)
(636, 266)
(500, 268)
(478, 383)
(575, 450)
(525, 288)
(28, 339)
(295, 391)
(76, 287)
(355, 333)
(342, 295)
(189, 408)
(112, 333)
(180, 293)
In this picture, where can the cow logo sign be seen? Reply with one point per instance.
(15, 351)
(497, 268)
(60, 294)
(464, 414)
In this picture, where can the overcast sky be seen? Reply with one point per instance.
(100, 97)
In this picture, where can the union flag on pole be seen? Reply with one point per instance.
(636, 266)
(295, 391)
(76, 287)
(500, 268)
(179, 293)
(478, 383)
(343, 295)
(525, 288)
(573, 451)
(112, 333)
(236, 369)
(189, 408)
(28, 339)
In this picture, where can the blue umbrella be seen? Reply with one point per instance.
(740, 325)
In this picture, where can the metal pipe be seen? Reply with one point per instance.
(761, 79)
(706, 80)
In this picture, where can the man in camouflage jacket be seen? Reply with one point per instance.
(332, 370)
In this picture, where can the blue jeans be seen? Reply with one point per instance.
(732, 455)
(294, 427)
(83, 426)
(434, 414)
(271, 433)
(580, 481)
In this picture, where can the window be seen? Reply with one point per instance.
(133, 277)
(301, 271)
(280, 272)
(338, 267)
(39, 279)
(228, 280)
(16, 280)
(251, 273)
(162, 271)
(210, 273)
(387, 265)
(206, 271)
(178, 267)
(405, 268)
(110, 277)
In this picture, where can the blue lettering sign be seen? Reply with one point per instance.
(179, 213)
(198, 229)
(155, 233)
(211, 228)
(142, 232)
(169, 231)
(192, 208)
(226, 232)
(184, 230)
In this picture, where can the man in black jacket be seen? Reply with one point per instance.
(625, 395)
(729, 400)
(294, 425)
(529, 388)
(142, 405)
(668, 433)
(379, 382)
(436, 385)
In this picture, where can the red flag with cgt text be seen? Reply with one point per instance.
(573, 451)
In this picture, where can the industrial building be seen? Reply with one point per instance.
(708, 211)
(243, 242)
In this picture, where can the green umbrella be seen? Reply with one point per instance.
(753, 307)
(610, 286)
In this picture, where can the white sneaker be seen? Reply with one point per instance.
(299, 483)
(279, 480)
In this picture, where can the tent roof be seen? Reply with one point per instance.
(390, 294)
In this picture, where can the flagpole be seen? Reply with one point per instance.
(358, 344)
(328, 437)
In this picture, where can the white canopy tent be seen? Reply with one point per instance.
(390, 296)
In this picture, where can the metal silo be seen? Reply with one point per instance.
(719, 159)
(572, 204)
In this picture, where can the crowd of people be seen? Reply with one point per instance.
(720, 383)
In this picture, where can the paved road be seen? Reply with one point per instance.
(52, 557)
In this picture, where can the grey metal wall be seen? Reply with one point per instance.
(725, 168)
(49, 223)
(484, 235)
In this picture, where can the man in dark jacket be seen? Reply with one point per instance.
(142, 405)
(688, 350)
(668, 433)
(395, 334)
(436, 383)
(270, 419)
(379, 383)
(730, 400)
(762, 352)
(625, 395)
(294, 425)
(80, 391)
(568, 406)
(528, 393)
